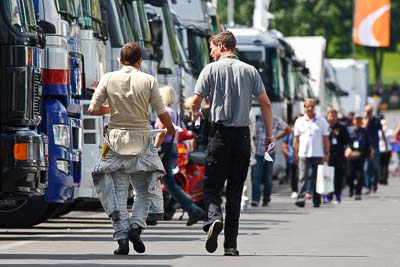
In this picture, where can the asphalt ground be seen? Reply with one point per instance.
(354, 233)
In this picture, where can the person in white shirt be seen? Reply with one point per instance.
(311, 147)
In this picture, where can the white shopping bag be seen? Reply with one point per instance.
(325, 176)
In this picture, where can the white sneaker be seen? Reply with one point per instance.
(294, 195)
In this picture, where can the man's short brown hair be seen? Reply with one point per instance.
(226, 38)
(332, 110)
(130, 53)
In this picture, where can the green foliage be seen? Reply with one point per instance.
(390, 68)
(331, 19)
(243, 11)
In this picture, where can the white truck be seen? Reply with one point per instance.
(193, 31)
(311, 49)
(352, 77)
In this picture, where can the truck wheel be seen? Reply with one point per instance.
(21, 213)
(64, 209)
(51, 208)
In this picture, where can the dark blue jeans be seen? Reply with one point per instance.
(169, 160)
(308, 177)
(292, 176)
(372, 170)
(261, 174)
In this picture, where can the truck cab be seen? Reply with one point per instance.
(62, 92)
(94, 36)
(261, 50)
(164, 42)
(193, 30)
(23, 147)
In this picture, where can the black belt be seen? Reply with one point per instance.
(220, 125)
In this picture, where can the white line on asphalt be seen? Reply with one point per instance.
(16, 244)
(22, 243)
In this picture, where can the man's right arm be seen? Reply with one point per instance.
(195, 107)
(99, 97)
(103, 110)
(167, 123)
(296, 148)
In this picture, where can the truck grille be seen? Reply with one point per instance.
(37, 89)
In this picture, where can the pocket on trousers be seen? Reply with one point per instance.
(211, 166)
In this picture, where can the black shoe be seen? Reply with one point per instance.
(254, 204)
(153, 217)
(316, 205)
(231, 252)
(212, 237)
(358, 197)
(134, 237)
(151, 222)
(169, 214)
(123, 247)
(195, 216)
(300, 203)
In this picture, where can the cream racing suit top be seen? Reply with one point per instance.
(129, 93)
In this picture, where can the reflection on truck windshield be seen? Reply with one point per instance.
(268, 69)
(198, 51)
(66, 9)
(20, 14)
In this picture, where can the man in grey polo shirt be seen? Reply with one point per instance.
(229, 85)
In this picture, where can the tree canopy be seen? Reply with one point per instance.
(331, 19)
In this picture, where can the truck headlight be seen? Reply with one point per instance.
(62, 165)
(61, 133)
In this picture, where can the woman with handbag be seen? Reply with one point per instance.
(169, 156)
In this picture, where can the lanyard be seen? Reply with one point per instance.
(232, 56)
(310, 123)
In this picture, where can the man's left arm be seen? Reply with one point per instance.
(266, 111)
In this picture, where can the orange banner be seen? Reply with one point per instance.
(372, 23)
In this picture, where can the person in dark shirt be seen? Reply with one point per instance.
(356, 153)
(372, 166)
(339, 140)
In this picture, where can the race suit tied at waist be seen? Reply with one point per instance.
(127, 142)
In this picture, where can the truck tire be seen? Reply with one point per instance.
(51, 208)
(64, 209)
(22, 213)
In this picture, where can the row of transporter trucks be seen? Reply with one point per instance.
(52, 56)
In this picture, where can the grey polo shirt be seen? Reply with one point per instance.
(229, 85)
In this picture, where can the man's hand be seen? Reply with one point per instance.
(104, 109)
(347, 153)
(195, 115)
